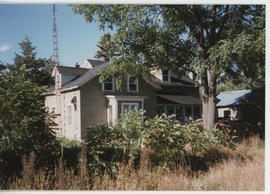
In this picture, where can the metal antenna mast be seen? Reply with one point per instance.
(55, 41)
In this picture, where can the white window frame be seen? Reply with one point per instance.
(129, 106)
(103, 88)
(169, 75)
(137, 84)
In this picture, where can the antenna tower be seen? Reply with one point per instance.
(55, 41)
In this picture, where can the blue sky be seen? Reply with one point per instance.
(77, 38)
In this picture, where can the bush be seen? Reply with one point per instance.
(170, 143)
(108, 145)
(24, 122)
(70, 149)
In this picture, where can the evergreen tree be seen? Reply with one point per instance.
(39, 70)
(104, 45)
(209, 40)
(2, 66)
(24, 121)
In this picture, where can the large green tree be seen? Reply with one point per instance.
(209, 40)
(24, 121)
(39, 69)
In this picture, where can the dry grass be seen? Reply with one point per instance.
(241, 169)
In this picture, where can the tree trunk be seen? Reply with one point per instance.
(211, 120)
(205, 108)
(211, 112)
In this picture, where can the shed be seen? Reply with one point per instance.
(228, 104)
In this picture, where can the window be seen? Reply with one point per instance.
(166, 75)
(197, 112)
(53, 110)
(170, 109)
(180, 113)
(132, 84)
(188, 112)
(108, 84)
(127, 107)
(69, 114)
(227, 114)
(161, 110)
(74, 102)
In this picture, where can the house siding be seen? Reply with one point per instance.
(73, 130)
(63, 129)
(93, 105)
(94, 102)
(50, 102)
(235, 112)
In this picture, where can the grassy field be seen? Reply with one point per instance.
(242, 169)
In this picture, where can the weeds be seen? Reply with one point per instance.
(241, 169)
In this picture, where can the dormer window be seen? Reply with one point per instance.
(132, 84)
(108, 84)
(166, 75)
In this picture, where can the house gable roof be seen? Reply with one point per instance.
(71, 71)
(90, 63)
(91, 73)
(83, 75)
(95, 62)
(232, 98)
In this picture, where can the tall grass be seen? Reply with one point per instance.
(241, 169)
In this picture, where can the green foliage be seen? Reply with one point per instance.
(108, 145)
(104, 46)
(38, 69)
(24, 122)
(103, 149)
(253, 107)
(212, 41)
(170, 143)
(70, 150)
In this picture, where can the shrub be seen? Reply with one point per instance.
(103, 149)
(108, 145)
(70, 149)
(171, 143)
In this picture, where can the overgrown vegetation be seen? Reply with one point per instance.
(24, 121)
(240, 169)
(135, 148)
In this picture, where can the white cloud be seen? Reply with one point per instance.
(5, 47)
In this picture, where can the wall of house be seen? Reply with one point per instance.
(93, 105)
(94, 102)
(70, 130)
(50, 102)
(71, 122)
(235, 112)
(157, 73)
(144, 90)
